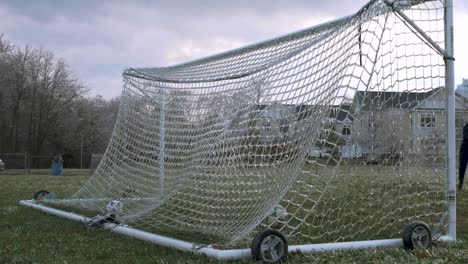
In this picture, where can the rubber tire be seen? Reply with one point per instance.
(407, 243)
(38, 193)
(257, 241)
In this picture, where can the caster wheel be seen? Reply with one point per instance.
(40, 195)
(417, 235)
(270, 247)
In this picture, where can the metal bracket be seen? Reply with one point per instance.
(436, 230)
(419, 32)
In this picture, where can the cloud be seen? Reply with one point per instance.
(109, 85)
(460, 44)
(88, 9)
(50, 10)
(99, 39)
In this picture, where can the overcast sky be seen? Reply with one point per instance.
(99, 39)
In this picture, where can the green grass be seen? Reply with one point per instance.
(30, 236)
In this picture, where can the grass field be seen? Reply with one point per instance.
(30, 236)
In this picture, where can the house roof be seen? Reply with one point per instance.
(432, 103)
(371, 100)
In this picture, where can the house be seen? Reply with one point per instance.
(280, 128)
(372, 125)
(401, 124)
(285, 124)
(335, 133)
(429, 122)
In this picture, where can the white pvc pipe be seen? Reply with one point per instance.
(156, 239)
(67, 215)
(78, 200)
(347, 245)
(451, 148)
(221, 254)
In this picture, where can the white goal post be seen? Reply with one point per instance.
(338, 136)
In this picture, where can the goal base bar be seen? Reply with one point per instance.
(220, 254)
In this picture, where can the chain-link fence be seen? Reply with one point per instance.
(14, 163)
(25, 163)
(40, 164)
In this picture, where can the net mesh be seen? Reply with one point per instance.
(342, 124)
(94, 162)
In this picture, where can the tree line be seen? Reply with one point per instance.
(46, 110)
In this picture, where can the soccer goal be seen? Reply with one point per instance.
(338, 136)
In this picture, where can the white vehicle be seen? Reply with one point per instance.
(2, 165)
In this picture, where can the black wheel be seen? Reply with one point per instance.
(417, 236)
(270, 246)
(40, 195)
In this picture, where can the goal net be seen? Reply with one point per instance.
(333, 133)
(94, 162)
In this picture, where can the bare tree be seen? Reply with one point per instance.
(36, 92)
(4, 45)
(44, 108)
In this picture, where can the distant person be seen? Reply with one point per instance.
(463, 157)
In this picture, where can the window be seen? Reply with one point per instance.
(266, 125)
(346, 130)
(427, 121)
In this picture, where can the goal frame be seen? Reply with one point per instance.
(229, 254)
